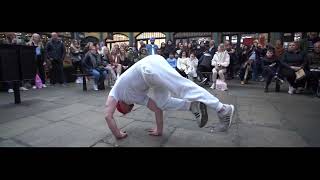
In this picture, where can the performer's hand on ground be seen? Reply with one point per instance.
(154, 132)
(122, 135)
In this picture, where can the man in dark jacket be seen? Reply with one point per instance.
(292, 61)
(314, 66)
(212, 48)
(170, 48)
(204, 65)
(93, 65)
(55, 54)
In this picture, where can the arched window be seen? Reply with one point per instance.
(117, 39)
(145, 36)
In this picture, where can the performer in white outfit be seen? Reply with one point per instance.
(155, 74)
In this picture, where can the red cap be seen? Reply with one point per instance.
(120, 108)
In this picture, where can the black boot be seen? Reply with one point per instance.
(266, 89)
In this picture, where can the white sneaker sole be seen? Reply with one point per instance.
(231, 116)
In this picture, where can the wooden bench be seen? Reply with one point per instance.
(84, 79)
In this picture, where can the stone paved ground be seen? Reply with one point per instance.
(68, 117)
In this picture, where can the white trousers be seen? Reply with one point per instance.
(170, 90)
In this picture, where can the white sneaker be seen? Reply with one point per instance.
(226, 116)
(10, 91)
(95, 87)
(291, 90)
(213, 86)
(23, 89)
(44, 86)
(77, 81)
(34, 87)
(203, 81)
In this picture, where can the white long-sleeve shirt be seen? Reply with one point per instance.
(192, 65)
(221, 58)
(182, 63)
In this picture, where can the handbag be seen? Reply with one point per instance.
(300, 74)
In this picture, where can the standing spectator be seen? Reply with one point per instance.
(55, 53)
(76, 58)
(192, 64)
(279, 50)
(170, 48)
(172, 60)
(40, 62)
(212, 48)
(12, 39)
(220, 62)
(152, 48)
(182, 64)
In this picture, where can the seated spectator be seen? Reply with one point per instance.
(245, 62)
(106, 61)
(220, 62)
(132, 55)
(201, 50)
(179, 49)
(92, 65)
(233, 59)
(169, 48)
(212, 48)
(292, 61)
(189, 49)
(307, 44)
(172, 60)
(182, 64)
(162, 49)
(76, 58)
(271, 68)
(204, 65)
(124, 61)
(314, 61)
(279, 50)
(143, 53)
(192, 64)
(176, 55)
(115, 60)
(142, 46)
